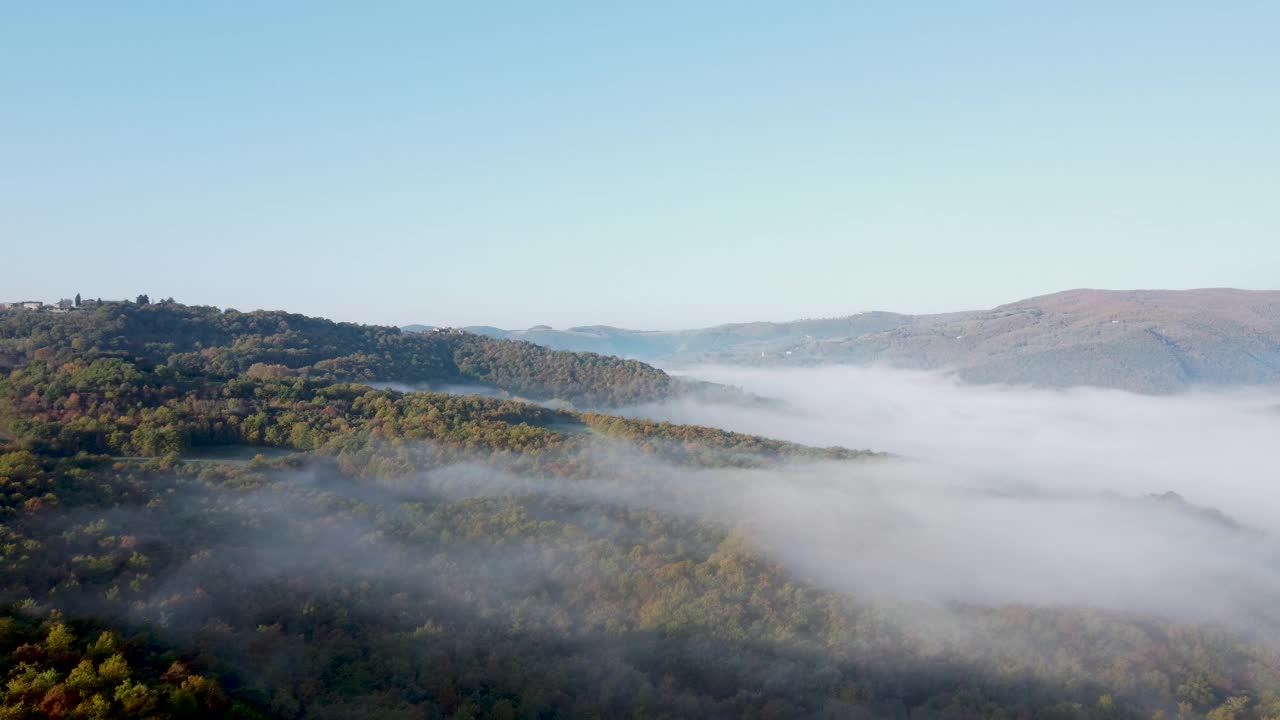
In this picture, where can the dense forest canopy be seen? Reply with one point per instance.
(363, 552)
(208, 342)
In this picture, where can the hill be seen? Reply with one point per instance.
(1143, 340)
(408, 555)
(686, 345)
(209, 341)
(1154, 341)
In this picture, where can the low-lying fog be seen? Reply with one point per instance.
(997, 495)
(1014, 494)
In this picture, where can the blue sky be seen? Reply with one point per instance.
(647, 165)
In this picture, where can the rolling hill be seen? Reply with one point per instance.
(1147, 341)
(197, 340)
(1153, 341)
(213, 514)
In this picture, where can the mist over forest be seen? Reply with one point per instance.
(1211, 446)
(212, 513)
(1117, 499)
(664, 360)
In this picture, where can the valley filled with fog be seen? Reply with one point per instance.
(546, 361)
(1001, 494)
(269, 514)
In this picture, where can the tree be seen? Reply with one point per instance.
(144, 300)
(1231, 709)
(77, 299)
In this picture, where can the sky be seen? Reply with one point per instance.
(649, 165)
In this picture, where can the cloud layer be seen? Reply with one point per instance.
(1008, 494)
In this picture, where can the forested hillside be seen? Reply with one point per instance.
(358, 552)
(208, 342)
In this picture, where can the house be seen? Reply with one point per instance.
(66, 304)
(27, 305)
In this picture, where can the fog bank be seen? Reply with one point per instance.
(1220, 449)
(1011, 495)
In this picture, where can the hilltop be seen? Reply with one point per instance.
(1144, 340)
(1154, 341)
(208, 341)
(690, 345)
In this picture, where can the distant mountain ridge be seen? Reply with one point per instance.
(717, 342)
(1153, 341)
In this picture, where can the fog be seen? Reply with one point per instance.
(1012, 494)
(994, 496)
(1213, 448)
(892, 529)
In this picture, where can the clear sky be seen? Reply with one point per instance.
(641, 164)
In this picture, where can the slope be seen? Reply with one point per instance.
(209, 341)
(1154, 341)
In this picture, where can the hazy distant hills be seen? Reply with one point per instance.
(1149, 341)
(1144, 340)
(723, 342)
